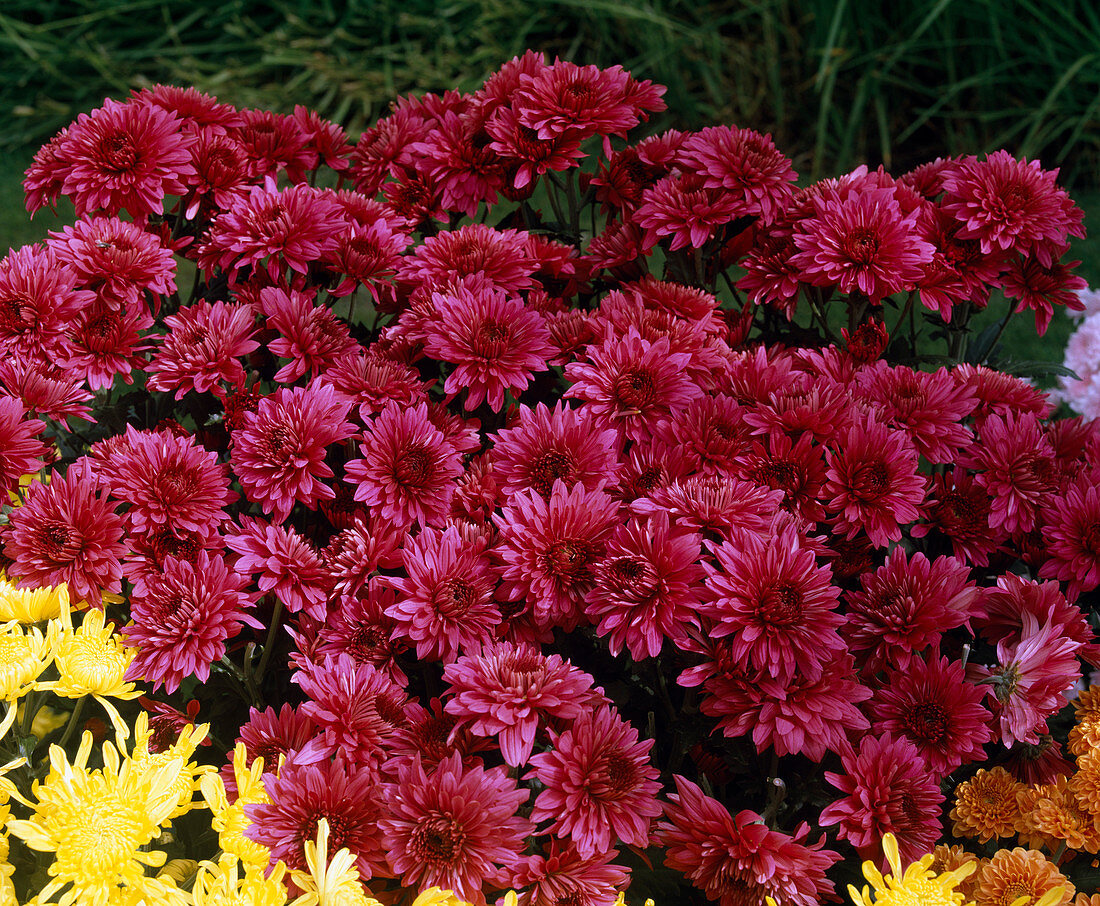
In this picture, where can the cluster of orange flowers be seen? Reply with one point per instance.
(1053, 823)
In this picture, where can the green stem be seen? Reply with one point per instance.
(269, 642)
(31, 704)
(1000, 331)
(74, 718)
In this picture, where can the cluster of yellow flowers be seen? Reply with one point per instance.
(1061, 818)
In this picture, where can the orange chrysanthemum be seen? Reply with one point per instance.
(947, 858)
(1087, 703)
(1085, 735)
(985, 806)
(1050, 811)
(1086, 782)
(1019, 872)
(1084, 899)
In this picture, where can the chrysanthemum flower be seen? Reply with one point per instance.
(25, 652)
(681, 207)
(1071, 529)
(648, 586)
(509, 690)
(289, 229)
(23, 452)
(98, 824)
(195, 108)
(126, 157)
(361, 705)
(525, 155)
(1041, 287)
(1012, 874)
(372, 381)
(873, 483)
(915, 885)
(550, 547)
(599, 787)
(310, 335)
(408, 467)
(279, 453)
(496, 343)
(931, 704)
(714, 504)
(276, 142)
(38, 301)
(959, 508)
(739, 859)
(67, 531)
(445, 605)
(368, 255)
(286, 563)
(357, 625)
(745, 164)
(502, 257)
(331, 879)
(228, 882)
(182, 619)
(223, 172)
(905, 606)
(204, 347)
(861, 242)
(229, 821)
(346, 795)
(30, 605)
(1011, 204)
(105, 341)
(562, 875)
(888, 789)
(46, 174)
(802, 717)
(1052, 814)
(465, 171)
(455, 828)
(1035, 672)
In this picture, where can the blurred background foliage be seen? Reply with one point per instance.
(836, 82)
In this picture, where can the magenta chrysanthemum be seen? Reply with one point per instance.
(1071, 528)
(600, 789)
(21, 452)
(182, 619)
(287, 565)
(279, 453)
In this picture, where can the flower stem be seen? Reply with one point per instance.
(74, 718)
(269, 642)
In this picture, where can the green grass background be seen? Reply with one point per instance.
(837, 82)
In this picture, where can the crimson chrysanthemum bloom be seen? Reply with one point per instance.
(126, 157)
(1014, 462)
(357, 626)
(21, 452)
(647, 587)
(274, 142)
(182, 619)
(745, 164)
(802, 717)
(279, 453)
(562, 875)
(496, 343)
(291, 228)
(510, 691)
(223, 171)
(38, 302)
(738, 860)
(455, 828)
(44, 177)
(796, 468)
(959, 508)
(286, 563)
(311, 336)
(116, 258)
(550, 547)
(326, 139)
(463, 170)
(779, 607)
(372, 381)
(600, 789)
(346, 795)
(267, 734)
(525, 155)
(929, 407)
(905, 606)
(1035, 672)
(67, 531)
(352, 554)
(445, 605)
(630, 383)
(771, 275)
(873, 483)
(931, 704)
(1011, 204)
(1071, 530)
(682, 207)
(361, 706)
(195, 108)
(861, 242)
(502, 257)
(106, 341)
(45, 390)
(1040, 287)
(887, 789)
(547, 445)
(368, 255)
(567, 99)
(203, 349)
(408, 469)
(714, 503)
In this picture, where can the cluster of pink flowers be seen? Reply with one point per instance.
(577, 556)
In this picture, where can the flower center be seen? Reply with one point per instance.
(928, 721)
(781, 604)
(414, 467)
(1090, 539)
(862, 246)
(438, 840)
(454, 597)
(60, 542)
(635, 389)
(548, 467)
(569, 560)
(119, 154)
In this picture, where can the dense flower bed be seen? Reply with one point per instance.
(499, 509)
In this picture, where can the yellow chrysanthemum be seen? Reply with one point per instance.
(93, 660)
(230, 821)
(96, 824)
(31, 605)
(435, 896)
(915, 885)
(24, 653)
(225, 884)
(187, 783)
(329, 882)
